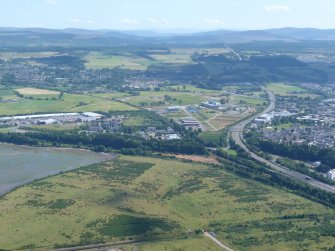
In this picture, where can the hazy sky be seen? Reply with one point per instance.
(167, 14)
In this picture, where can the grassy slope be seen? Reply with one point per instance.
(187, 196)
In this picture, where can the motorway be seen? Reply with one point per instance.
(237, 135)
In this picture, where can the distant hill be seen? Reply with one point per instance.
(82, 37)
(283, 34)
(304, 33)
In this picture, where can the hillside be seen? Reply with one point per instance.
(137, 198)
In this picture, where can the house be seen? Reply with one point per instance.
(331, 174)
(316, 164)
(171, 136)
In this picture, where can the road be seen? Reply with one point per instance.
(234, 52)
(218, 242)
(237, 135)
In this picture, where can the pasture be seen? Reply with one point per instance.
(131, 196)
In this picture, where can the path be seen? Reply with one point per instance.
(218, 242)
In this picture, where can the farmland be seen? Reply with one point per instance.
(167, 197)
(35, 91)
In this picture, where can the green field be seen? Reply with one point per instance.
(56, 127)
(7, 94)
(176, 116)
(96, 60)
(191, 51)
(213, 137)
(151, 98)
(111, 95)
(136, 121)
(135, 196)
(191, 88)
(173, 58)
(289, 90)
(26, 55)
(69, 103)
(248, 100)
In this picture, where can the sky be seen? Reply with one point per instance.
(167, 14)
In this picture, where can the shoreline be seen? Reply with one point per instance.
(58, 148)
(101, 157)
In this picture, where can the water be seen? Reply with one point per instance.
(21, 164)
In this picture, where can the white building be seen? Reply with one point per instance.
(211, 104)
(173, 108)
(265, 118)
(331, 174)
(46, 121)
(283, 114)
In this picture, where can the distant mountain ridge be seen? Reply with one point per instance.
(74, 36)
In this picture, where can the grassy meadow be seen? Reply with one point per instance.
(132, 198)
